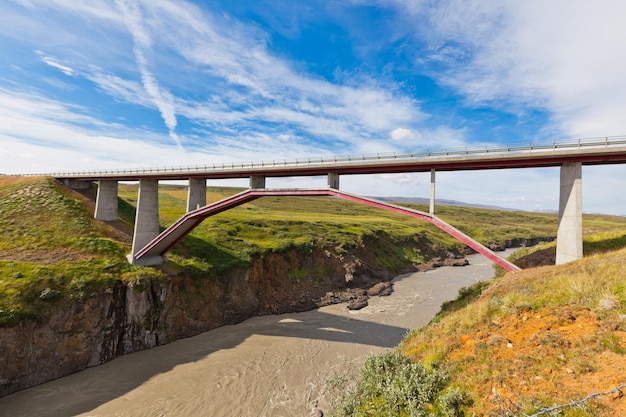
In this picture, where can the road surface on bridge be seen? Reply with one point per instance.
(610, 150)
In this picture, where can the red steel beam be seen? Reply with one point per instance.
(183, 226)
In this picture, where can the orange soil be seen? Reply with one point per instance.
(531, 355)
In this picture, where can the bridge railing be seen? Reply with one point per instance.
(606, 141)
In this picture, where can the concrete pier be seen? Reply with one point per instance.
(257, 182)
(146, 220)
(432, 193)
(569, 240)
(196, 195)
(106, 201)
(333, 180)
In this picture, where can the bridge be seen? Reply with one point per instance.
(149, 246)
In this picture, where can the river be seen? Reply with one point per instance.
(273, 366)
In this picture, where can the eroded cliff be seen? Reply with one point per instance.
(130, 316)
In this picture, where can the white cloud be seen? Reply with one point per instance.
(267, 88)
(33, 124)
(215, 71)
(40, 135)
(246, 103)
(561, 56)
(125, 90)
(53, 62)
(402, 134)
(162, 98)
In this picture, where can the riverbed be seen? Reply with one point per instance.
(268, 366)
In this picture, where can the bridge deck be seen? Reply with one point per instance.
(588, 152)
(169, 237)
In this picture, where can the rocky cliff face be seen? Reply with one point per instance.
(128, 317)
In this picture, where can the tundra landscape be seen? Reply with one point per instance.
(525, 341)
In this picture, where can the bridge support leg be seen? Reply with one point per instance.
(257, 181)
(106, 201)
(432, 192)
(196, 196)
(146, 221)
(569, 239)
(333, 180)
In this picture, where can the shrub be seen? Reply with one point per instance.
(391, 385)
(452, 401)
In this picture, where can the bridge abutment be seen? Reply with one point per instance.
(569, 240)
(196, 195)
(146, 221)
(106, 201)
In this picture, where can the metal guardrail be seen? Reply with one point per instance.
(607, 141)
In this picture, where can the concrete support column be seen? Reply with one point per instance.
(333, 180)
(106, 201)
(257, 181)
(569, 239)
(196, 195)
(432, 192)
(147, 215)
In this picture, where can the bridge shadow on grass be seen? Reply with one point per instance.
(604, 245)
(87, 390)
(222, 260)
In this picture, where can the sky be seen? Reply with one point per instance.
(112, 84)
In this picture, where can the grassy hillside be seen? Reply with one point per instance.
(535, 339)
(543, 341)
(489, 226)
(52, 251)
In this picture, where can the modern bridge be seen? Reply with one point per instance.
(149, 246)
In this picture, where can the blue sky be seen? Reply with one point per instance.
(145, 83)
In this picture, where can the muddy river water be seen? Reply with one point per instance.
(274, 366)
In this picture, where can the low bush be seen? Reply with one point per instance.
(390, 384)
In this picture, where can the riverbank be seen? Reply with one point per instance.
(540, 340)
(69, 300)
(266, 366)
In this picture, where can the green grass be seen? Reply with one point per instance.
(567, 325)
(594, 241)
(277, 224)
(49, 239)
(489, 226)
(40, 214)
(24, 284)
(592, 289)
(53, 252)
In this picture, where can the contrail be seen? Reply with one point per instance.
(162, 98)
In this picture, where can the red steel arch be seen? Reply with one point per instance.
(183, 226)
